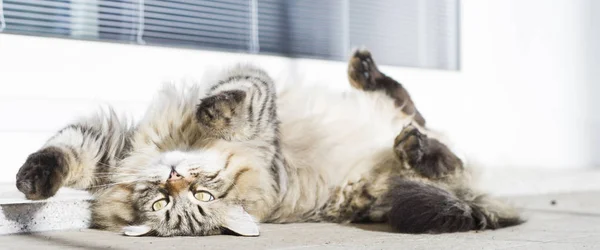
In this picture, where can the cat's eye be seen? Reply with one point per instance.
(203, 196)
(159, 204)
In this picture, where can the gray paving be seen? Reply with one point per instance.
(561, 221)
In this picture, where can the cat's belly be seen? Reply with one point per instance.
(331, 139)
(338, 134)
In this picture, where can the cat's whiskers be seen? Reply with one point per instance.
(116, 174)
(112, 184)
(108, 165)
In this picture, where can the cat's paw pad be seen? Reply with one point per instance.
(427, 156)
(362, 70)
(42, 174)
(217, 111)
(410, 145)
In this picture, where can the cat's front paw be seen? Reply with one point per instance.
(217, 112)
(362, 71)
(42, 174)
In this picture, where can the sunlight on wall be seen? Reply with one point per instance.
(521, 98)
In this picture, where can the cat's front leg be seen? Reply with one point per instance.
(241, 106)
(82, 156)
(222, 115)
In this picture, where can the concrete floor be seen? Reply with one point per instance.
(561, 221)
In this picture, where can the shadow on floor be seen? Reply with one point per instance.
(57, 241)
(374, 227)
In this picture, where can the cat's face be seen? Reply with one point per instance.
(179, 193)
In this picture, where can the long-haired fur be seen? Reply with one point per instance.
(225, 155)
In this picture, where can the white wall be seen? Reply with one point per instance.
(521, 99)
(593, 83)
(525, 78)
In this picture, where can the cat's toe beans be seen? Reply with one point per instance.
(410, 145)
(362, 70)
(359, 78)
(409, 137)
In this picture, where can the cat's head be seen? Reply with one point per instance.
(201, 192)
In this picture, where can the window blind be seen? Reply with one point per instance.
(414, 33)
(421, 33)
(308, 28)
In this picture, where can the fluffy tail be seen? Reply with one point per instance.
(419, 207)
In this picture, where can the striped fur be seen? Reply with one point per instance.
(87, 148)
(231, 153)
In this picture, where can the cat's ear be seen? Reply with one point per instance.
(240, 222)
(135, 231)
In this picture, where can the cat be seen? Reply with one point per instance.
(225, 156)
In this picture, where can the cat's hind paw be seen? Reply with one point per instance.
(362, 71)
(427, 156)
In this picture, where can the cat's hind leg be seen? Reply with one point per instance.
(78, 156)
(413, 204)
(364, 75)
(424, 207)
(437, 199)
(415, 146)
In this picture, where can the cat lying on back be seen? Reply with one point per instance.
(223, 157)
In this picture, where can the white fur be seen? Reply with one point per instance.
(239, 221)
(136, 231)
(184, 163)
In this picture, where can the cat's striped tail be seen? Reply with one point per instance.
(421, 207)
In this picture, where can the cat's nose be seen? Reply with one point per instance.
(174, 176)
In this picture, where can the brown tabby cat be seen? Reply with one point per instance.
(222, 158)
